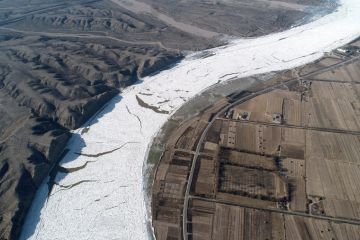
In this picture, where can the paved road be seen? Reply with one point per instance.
(88, 35)
(239, 101)
(333, 130)
(301, 214)
(333, 81)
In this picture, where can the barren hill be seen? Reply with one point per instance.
(61, 61)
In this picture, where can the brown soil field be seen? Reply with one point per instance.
(283, 164)
(62, 61)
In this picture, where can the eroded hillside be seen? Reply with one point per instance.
(61, 61)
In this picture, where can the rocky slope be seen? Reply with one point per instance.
(61, 61)
(47, 88)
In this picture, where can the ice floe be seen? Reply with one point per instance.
(105, 199)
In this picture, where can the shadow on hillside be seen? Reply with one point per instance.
(76, 144)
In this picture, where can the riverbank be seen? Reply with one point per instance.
(191, 108)
(63, 61)
(251, 150)
(115, 178)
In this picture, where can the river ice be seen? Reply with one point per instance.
(105, 200)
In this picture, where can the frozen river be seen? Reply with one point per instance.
(105, 198)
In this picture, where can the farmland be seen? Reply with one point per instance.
(278, 161)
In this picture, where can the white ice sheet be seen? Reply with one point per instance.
(109, 203)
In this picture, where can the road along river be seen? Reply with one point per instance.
(102, 197)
